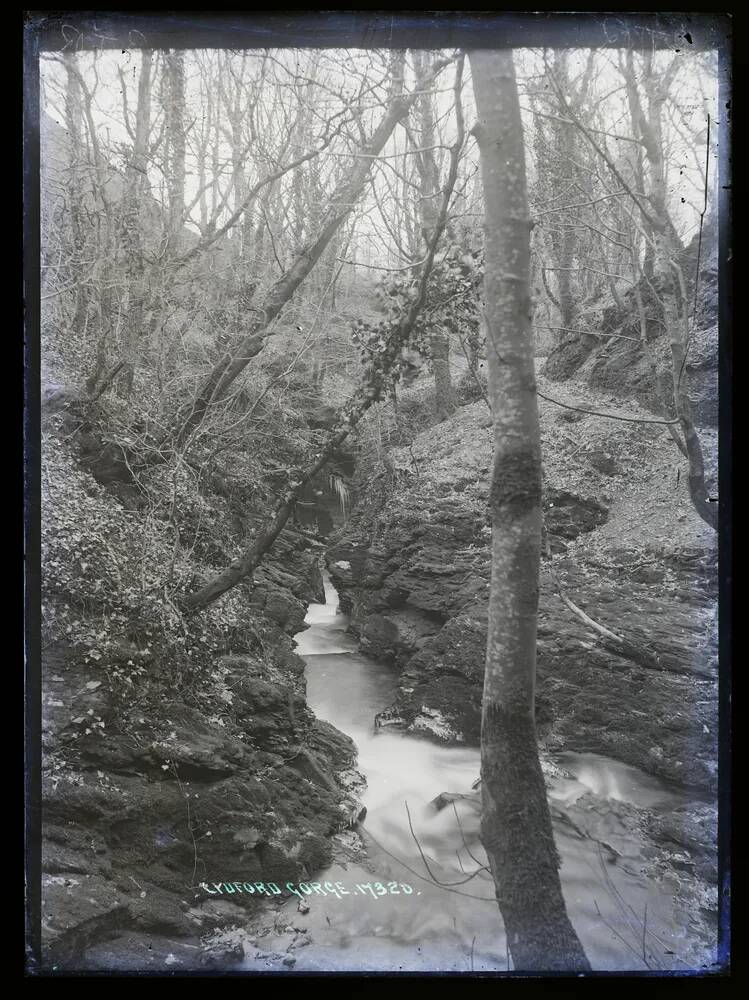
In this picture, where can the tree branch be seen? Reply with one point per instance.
(369, 392)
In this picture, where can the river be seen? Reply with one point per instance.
(627, 919)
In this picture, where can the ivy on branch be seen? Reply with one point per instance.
(390, 346)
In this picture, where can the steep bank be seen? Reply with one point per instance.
(177, 750)
(412, 568)
(627, 351)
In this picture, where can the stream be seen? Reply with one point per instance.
(628, 919)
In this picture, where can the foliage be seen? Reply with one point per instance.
(112, 576)
(452, 301)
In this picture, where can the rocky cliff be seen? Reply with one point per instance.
(413, 564)
(178, 751)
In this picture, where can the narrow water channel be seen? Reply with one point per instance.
(625, 920)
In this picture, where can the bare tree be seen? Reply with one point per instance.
(342, 202)
(669, 283)
(386, 362)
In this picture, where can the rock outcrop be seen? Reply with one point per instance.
(169, 802)
(412, 567)
(614, 358)
(178, 752)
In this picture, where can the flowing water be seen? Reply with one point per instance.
(626, 921)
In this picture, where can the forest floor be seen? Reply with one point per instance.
(634, 468)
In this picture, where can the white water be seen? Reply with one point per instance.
(459, 929)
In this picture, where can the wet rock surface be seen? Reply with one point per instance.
(245, 786)
(257, 789)
(412, 567)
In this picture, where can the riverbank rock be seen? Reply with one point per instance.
(412, 568)
(179, 751)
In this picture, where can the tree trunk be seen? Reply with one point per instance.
(667, 254)
(676, 318)
(74, 123)
(248, 562)
(132, 229)
(627, 69)
(444, 403)
(516, 826)
(563, 243)
(175, 114)
(94, 179)
(444, 400)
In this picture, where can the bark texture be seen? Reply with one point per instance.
(132, 224)
(175, 114)
(516, 824)
(426, 161)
